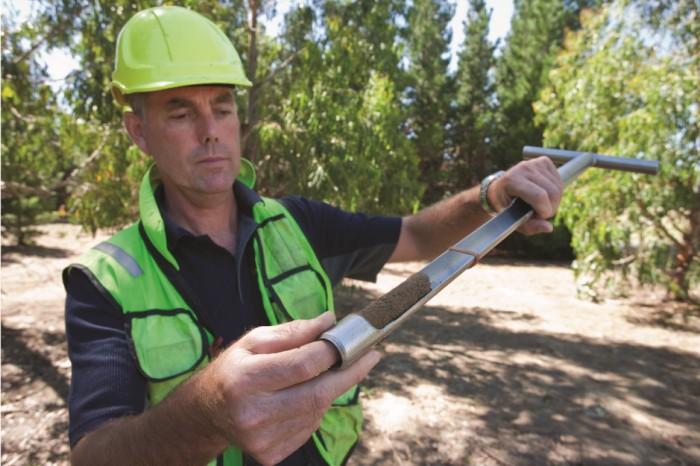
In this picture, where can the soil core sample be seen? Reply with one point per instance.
(392, 305)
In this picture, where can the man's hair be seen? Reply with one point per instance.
(137, 102)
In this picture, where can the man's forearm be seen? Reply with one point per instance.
(432, 230)
(177, 431)
(429, 232)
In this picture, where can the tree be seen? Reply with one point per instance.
(629, 86)
(521, 73)
(536, 35)
(34, 162)
(430, 90)
(473, 123)
(333, 130)
(323, 119)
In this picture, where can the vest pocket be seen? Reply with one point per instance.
(165, 344)
(301, 295)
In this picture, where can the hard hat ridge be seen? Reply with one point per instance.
(165, 47)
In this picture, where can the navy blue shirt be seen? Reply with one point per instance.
(106, 382)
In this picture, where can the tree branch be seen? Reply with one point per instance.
(282, 65)
(17, 190)
(658, 224)
(95, 154)
(60, 27)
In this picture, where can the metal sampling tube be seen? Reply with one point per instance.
(358, 332)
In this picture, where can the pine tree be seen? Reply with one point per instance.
(473, 123)
(536, 35)
(430, 90)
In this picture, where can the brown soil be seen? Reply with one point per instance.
(389, 307)
(503, 367)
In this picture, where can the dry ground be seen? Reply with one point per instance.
(504, 367)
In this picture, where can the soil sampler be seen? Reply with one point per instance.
(358, 332)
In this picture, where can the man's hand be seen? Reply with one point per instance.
(274, 387)
(429, 232)
(265, 394)
(536, 182)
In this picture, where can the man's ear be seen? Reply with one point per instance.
(134, 126)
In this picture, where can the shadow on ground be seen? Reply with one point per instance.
(10, 254)
(613, 403)
(31, 351)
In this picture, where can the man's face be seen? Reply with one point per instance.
(193, 135)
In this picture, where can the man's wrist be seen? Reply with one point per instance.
(484, 189)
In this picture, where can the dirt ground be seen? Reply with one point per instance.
(504, 367)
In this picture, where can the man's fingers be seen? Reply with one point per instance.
(264, 340)
(286, 354)
(277, 371)
(541, 194)
(535, 226)
(553, 185)
(316, 394)
(537, 183)
(320, 393)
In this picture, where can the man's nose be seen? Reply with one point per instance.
(209, 128)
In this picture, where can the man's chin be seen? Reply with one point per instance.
(217, 183)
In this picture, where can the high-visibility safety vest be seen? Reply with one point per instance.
(170, 339)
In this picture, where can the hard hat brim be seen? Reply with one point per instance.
(119, 91)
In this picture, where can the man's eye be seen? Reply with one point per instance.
(179, 116)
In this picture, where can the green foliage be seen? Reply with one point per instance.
(537, 32)
(353, 104)
(32, 164)
(430, 89)
(102, 194)
(628, 87)
(334, 133)
(473, 122)
(520, 73)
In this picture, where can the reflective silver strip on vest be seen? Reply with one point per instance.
(124, 258)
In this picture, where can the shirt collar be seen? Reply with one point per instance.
(246, 199)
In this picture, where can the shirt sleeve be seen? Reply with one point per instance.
(348, 244)
(106, 383)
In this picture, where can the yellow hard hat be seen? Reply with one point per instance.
(169, 46)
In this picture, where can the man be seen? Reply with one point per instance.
(193, 334)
